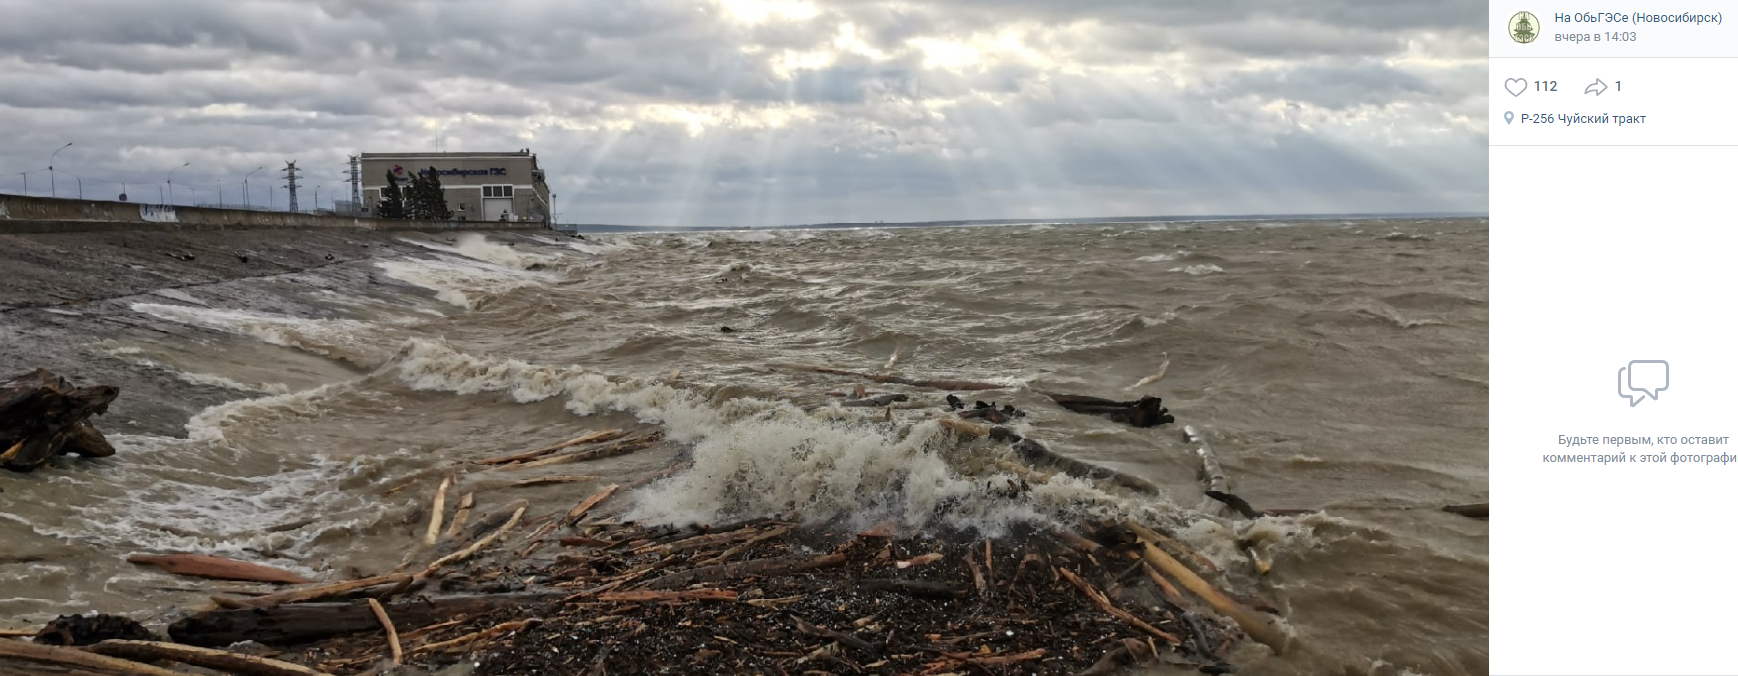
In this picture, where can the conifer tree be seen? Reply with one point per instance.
(391, 199)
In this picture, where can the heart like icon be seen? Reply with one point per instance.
(1515, 85)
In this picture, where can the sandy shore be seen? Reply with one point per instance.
(62, 292)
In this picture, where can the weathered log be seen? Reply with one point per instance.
(1237, 504)
(1038, 454)
(1143, 412)
(602, 435)
(762, 567)
(217, 568)
(590, 502)
(1259, 628)
(324, 591)
(463, 514)
(18, 657)
(43, 415)
(303, 622)
(1480, 510)
(391, 630)
(436, 513)
(234, 663)
(610, 450)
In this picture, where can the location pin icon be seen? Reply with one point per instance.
(1509, 117)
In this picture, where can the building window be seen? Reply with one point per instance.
(497, 191)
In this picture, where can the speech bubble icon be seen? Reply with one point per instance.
(1646, 377)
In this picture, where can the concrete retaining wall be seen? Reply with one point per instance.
(19, 214)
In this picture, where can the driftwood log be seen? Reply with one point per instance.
(1143, 412)
(217, 568)
(42, 415)
(301, 622)
(1038, 454)
(18, 658)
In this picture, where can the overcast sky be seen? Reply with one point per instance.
(761, 112)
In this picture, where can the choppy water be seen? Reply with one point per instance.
(1336, 364)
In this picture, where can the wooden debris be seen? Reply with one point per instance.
(302, 622)
(473, 637)
(1164, 365)
(602, 435)
(463, 514)
(324, 591)
(216, 568)
(590, 502)
(234, 663)
(437, 513)
(42, 415)
(1480, 510)
(63, 660)
(683, 595)
(556, 479)
(1104, 604)
(763, 567)
(391, 631)
(737, 550)
(1259, 628)
(1143, 412)
(610, 450)
(472, 550)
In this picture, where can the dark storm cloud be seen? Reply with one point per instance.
(768, 111)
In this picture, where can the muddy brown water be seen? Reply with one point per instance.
(1332, 364)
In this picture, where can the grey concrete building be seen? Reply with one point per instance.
(479, 186)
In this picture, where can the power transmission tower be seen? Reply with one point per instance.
(290, 174)
(355, 184)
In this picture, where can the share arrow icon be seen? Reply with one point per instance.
(1597, 88)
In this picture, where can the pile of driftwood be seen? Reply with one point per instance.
(601, 596)
(572, 592)
(42, 415)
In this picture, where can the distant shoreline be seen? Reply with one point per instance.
(1254, 218)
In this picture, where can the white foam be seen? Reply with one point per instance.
(1198, 270)
(200, 506)
(346, 339)
(462, 282)
(757, 457)
(1157, 258)
(208, 425)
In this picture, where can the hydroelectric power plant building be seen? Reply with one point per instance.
(479, 186)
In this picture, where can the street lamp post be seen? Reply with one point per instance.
(317, 196)
(246, 192)
(51, 191)
(172, 180)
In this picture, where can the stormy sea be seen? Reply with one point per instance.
(1337, 367)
